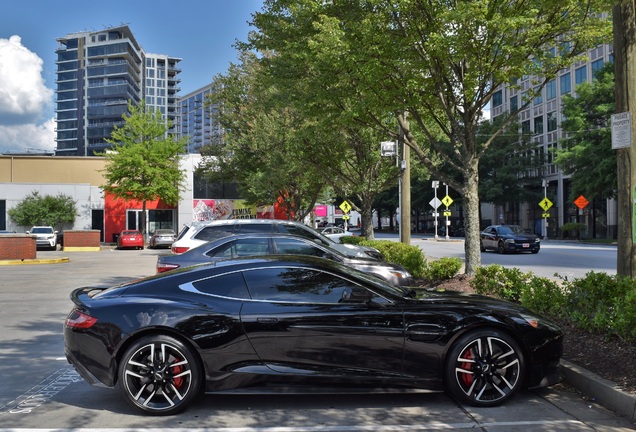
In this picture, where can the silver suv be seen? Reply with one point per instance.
(45, 236)
(199, 233)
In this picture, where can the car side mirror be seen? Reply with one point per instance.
(28, 232)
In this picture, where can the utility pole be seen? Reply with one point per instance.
(624, 19)
(405, 195)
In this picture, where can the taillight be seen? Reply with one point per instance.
(80, 320)
(164, 267)
(179, 249)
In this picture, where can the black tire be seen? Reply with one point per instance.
(535, 251)
(484, 368)
(501, 247)
(160, 375)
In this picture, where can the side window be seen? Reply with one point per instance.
(210, 233)
(240, 248)
(253, 228)
(227, 285)
(301, 285)
(298, 247)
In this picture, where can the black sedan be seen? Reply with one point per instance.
(251, 244)
(299, 323)
(509, 238)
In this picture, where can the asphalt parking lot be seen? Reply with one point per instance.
(35, 302)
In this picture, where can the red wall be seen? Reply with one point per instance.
(115, 213)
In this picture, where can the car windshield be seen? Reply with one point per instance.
(511, 229)
(42, 230)
(164, 231)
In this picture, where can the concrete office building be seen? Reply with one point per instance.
(543, 117)
(195, 120)
(98, 72)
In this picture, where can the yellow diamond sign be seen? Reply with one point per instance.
(345, 207)
(545, 204)
(447, 201)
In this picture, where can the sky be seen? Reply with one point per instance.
(200, 32)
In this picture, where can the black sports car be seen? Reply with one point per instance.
(251, 244)
(301, 322)
(509, 238)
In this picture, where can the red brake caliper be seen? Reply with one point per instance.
(178, 381)
(466, 377)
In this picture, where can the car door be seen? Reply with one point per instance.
(306, 321)
(489, 238)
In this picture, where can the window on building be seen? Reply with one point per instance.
(538, 99)
(566, 83)
(497, 99)
(538, 125)
(552, 121)
(514, 104)
(580, 75)
(525, 126)
(550, 89)
(596, 66)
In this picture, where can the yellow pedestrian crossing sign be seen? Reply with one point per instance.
(447, 212)
(545, 204)
(345, 207)
(447, 201)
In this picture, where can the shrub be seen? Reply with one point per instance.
(573, 229)
(355, 240)
(442, 269)
(543, 295)
(505, 283)
(409, 256)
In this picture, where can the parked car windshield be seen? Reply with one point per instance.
(42, 230)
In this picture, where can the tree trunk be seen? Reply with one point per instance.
(471, 207)
(367, 220)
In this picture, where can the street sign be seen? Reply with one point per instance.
(545, 204)
(447, 201)
(387, 148)
(447, 212)
(345, 207)
(346, 217)
(545, 215)
(435, 203)
(581, 202)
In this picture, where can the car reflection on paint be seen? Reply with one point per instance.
(508, 238)
(286, 323)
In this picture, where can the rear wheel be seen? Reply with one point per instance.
(160, 375)
(484, 368)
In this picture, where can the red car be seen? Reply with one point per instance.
(130, 239)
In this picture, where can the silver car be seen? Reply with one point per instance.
(199, 233)
(241, 245)
(161, 238)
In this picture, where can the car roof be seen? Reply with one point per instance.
(232, 237)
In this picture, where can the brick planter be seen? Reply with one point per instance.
(81, 240)
(17, 247)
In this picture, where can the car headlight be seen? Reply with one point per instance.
(510, 241)
(537, 240)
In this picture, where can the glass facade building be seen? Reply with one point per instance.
(97, 74)
(196, 120)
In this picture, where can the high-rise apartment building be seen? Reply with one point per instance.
(196, 120)
(543, 118)
(98, 73)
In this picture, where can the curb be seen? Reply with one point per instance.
(35, 261)
(602, 391)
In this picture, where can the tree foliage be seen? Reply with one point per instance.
(586, 153)
(46, 210)
(433, 65)
(144, 162)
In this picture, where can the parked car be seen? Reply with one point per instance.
(276, 244)
(130, 239)
(45, 236)
(509, 238)
(292, 321)
(335, 233)
(161, 238)
(199, 233)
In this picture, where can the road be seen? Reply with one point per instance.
(40, 390)
(567, 259)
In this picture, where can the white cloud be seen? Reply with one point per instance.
(24, 100)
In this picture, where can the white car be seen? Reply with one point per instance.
(199, 233)
(45, 236)
(335, 233)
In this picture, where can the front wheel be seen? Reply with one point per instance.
(501, 247)
(484, 368)
(160, 375)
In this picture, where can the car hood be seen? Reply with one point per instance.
(357, 251)
(520, 237)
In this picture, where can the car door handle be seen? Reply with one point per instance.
(267, 320)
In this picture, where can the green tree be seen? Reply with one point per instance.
(439, 62)
(46, 210)
(586, 153)
(143, 164)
